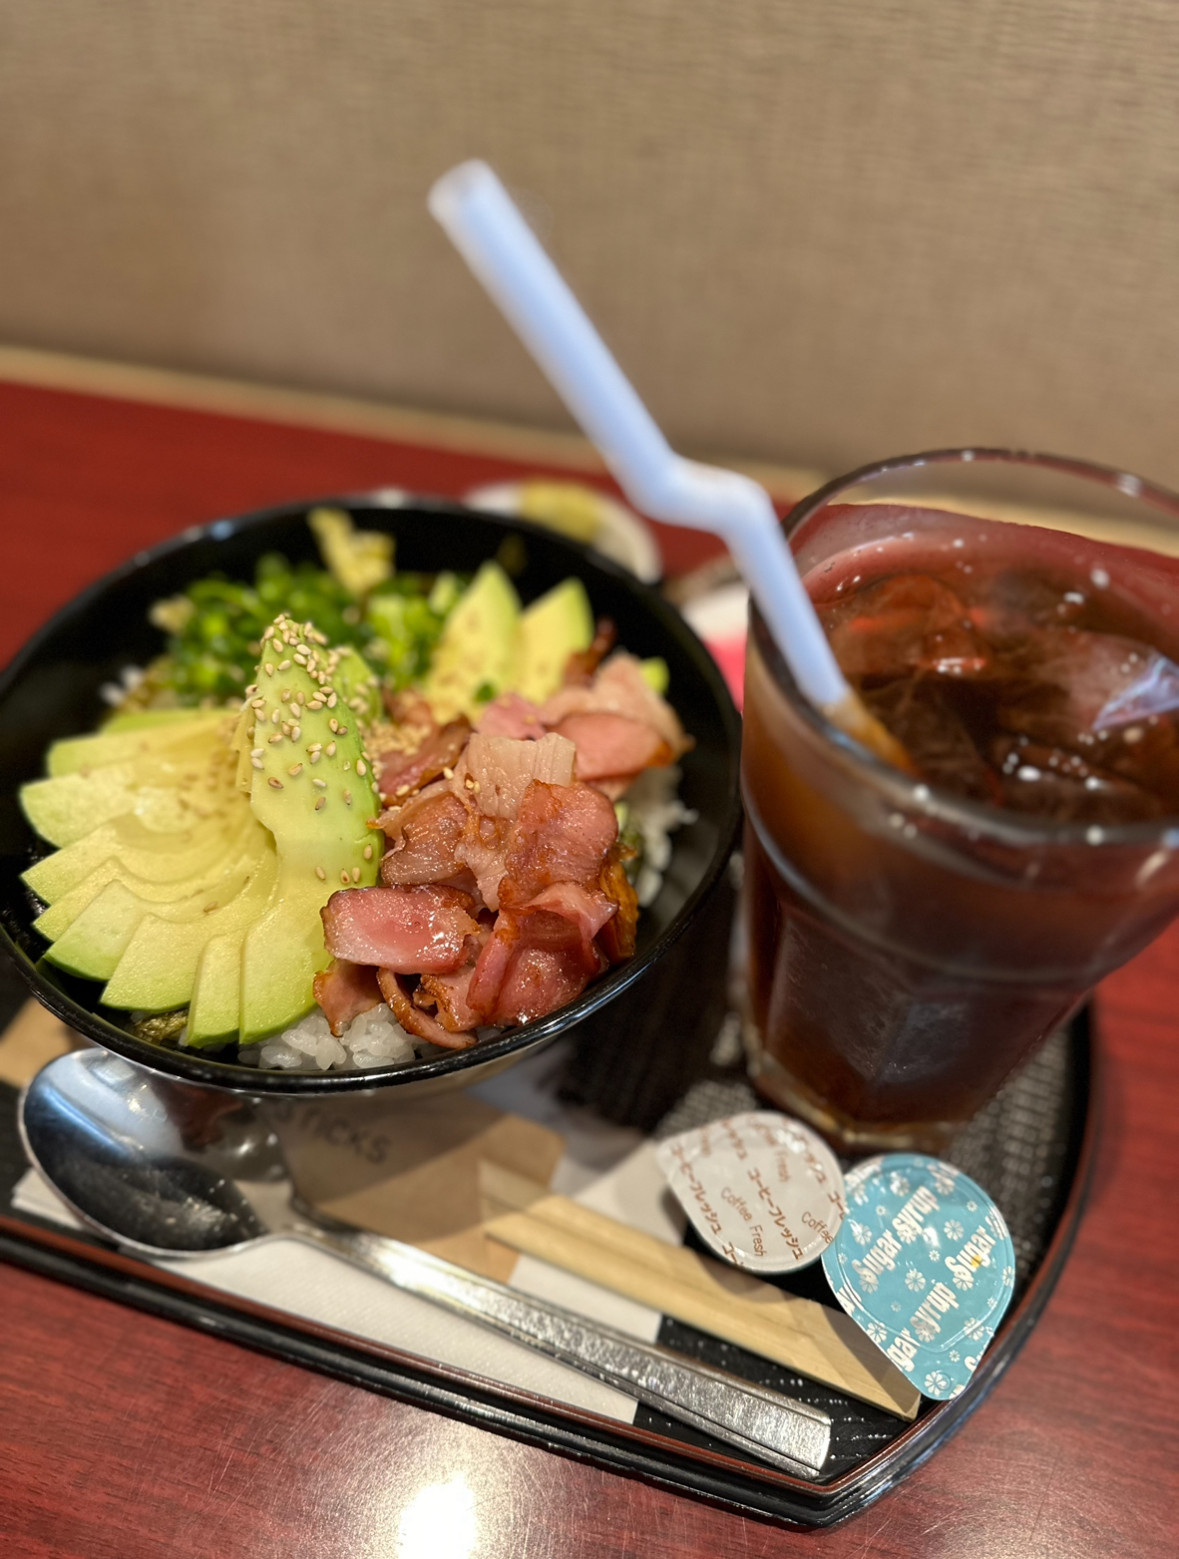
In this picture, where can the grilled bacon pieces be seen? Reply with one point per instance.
(581, 665)
(402, 772)
(412, 1019)
(504, 889)
(555, 879)
(344, 991)
(618, 726)
(420, 930)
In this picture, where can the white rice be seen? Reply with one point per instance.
(656, 811)
(372, 1039)
(113, 693)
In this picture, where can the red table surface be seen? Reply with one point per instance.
(125, 1436)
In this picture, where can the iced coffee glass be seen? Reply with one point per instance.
(1014, 620)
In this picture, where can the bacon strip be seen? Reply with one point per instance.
(562, 834)
(420, 930)
(511, 714)
(448, 995)
(619, 688)
(481, 852)
(399, 773)
(538, 981)
(413, 1020)
(344, 991)
(540, 956)
(617, 936)
(425, 835)
(581, 665)
(610, 745)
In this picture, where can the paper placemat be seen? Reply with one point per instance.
(409, 1168)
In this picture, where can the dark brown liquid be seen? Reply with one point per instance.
(899, 969)
(1037, 694)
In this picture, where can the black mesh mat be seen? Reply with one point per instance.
(1021, 1149)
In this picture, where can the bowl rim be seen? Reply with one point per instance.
(199, 1067)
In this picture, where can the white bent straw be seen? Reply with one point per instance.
(505, 255)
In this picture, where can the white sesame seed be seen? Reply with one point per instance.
(295, 769)
(321, 874)
(321, 801)
(296, 732)
(319, 784)
(313, 755)
(284, 665)
(368, 852)
(273, 741)
(269, 668)
(361, 766)
(347, 798)
(356, 874)
(257, 762)
(275, 784)
(344, 878)
(330, 749)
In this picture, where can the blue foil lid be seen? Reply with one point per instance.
(924, 1263)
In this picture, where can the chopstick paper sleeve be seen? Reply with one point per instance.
(817, 1341)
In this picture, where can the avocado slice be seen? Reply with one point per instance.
(475, 657)
(167, 792)
(176, 741)
(158, 967)
(149, 719)
(215, 1010)
(559, 624)
(214, 882)
(97, 938)
(655, 674)
(141, 851)
(312, 787)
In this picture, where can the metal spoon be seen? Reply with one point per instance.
(169, 1169)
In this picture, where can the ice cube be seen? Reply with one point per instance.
(1080, 684)
(920, 714)
(1055, 783)
(908, 622)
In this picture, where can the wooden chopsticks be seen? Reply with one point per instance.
(811, 1338)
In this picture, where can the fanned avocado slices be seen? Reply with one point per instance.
(197, 851)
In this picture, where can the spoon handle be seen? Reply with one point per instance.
(762, 1423)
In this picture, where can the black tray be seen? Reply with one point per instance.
(1031, 1149)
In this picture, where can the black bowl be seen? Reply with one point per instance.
(52, 689)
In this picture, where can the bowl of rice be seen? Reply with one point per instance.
(680, 813)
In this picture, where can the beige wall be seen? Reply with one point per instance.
(814, 230)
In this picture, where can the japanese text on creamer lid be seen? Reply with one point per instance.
(762, 1190)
